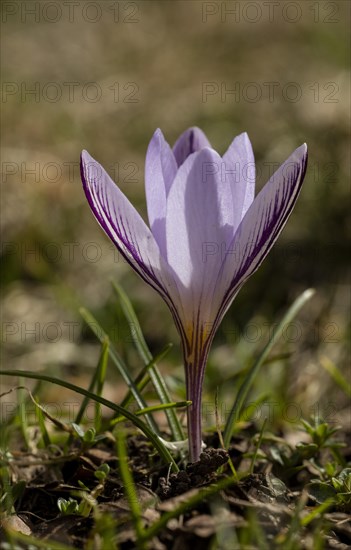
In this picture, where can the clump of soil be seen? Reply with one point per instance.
(196, 474)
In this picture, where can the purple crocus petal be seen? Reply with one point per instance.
(239, 167)
(198, 224)
(190, 141)
(160, 171)
(261, 226)
(122, 223)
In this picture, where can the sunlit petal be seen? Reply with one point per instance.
(160, 171)
(189, 142)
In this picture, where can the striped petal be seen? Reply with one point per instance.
(189, 142)
(261, 227)
(122, 223)
(160, 171)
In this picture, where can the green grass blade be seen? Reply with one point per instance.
(143, 377)
(289, 538)
(129, 486)
(156, 377)
(155, 408)
(150, 434)
(100, 365)
(44, 432)
(132, 318)
(259, 442)
(14, 414)
(118, 362)
(234, 414)
(336, 375)
(187, 504)
(23, 415)
(317, 512)
(247, 413)
(255, 532)
(33, 542)
(100, 380)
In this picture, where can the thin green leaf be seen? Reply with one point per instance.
(100, 380)
(118, 362)
(156, 377)
(102, 364)
(247, 413)
(336, 375)
(150, 434)
(155, 408)
(23, 415)
(33, 542)
(44, 432)
(12, 414)
(257, 447)
(220, 436)
(289, 538)
(255, 531)
(234, 414)
(187, 504)
(95, 377)
(143, 378)
(134, 324)
(128, 484)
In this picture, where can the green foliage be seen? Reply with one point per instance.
(118, 362)
(336, 490)
(88, 437)
(102, 472)
(336, 375)
(246, 385)
(129, 486)
(321, 432)
(331, 489)
(163, 451)
(290, 461)
(68, 507)
(145, 354)
(87, 497)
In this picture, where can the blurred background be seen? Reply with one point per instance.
(103, 76)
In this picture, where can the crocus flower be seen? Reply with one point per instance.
(207, 234)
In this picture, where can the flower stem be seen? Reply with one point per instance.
(194, 379)
(194, 426)
(195, 353)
